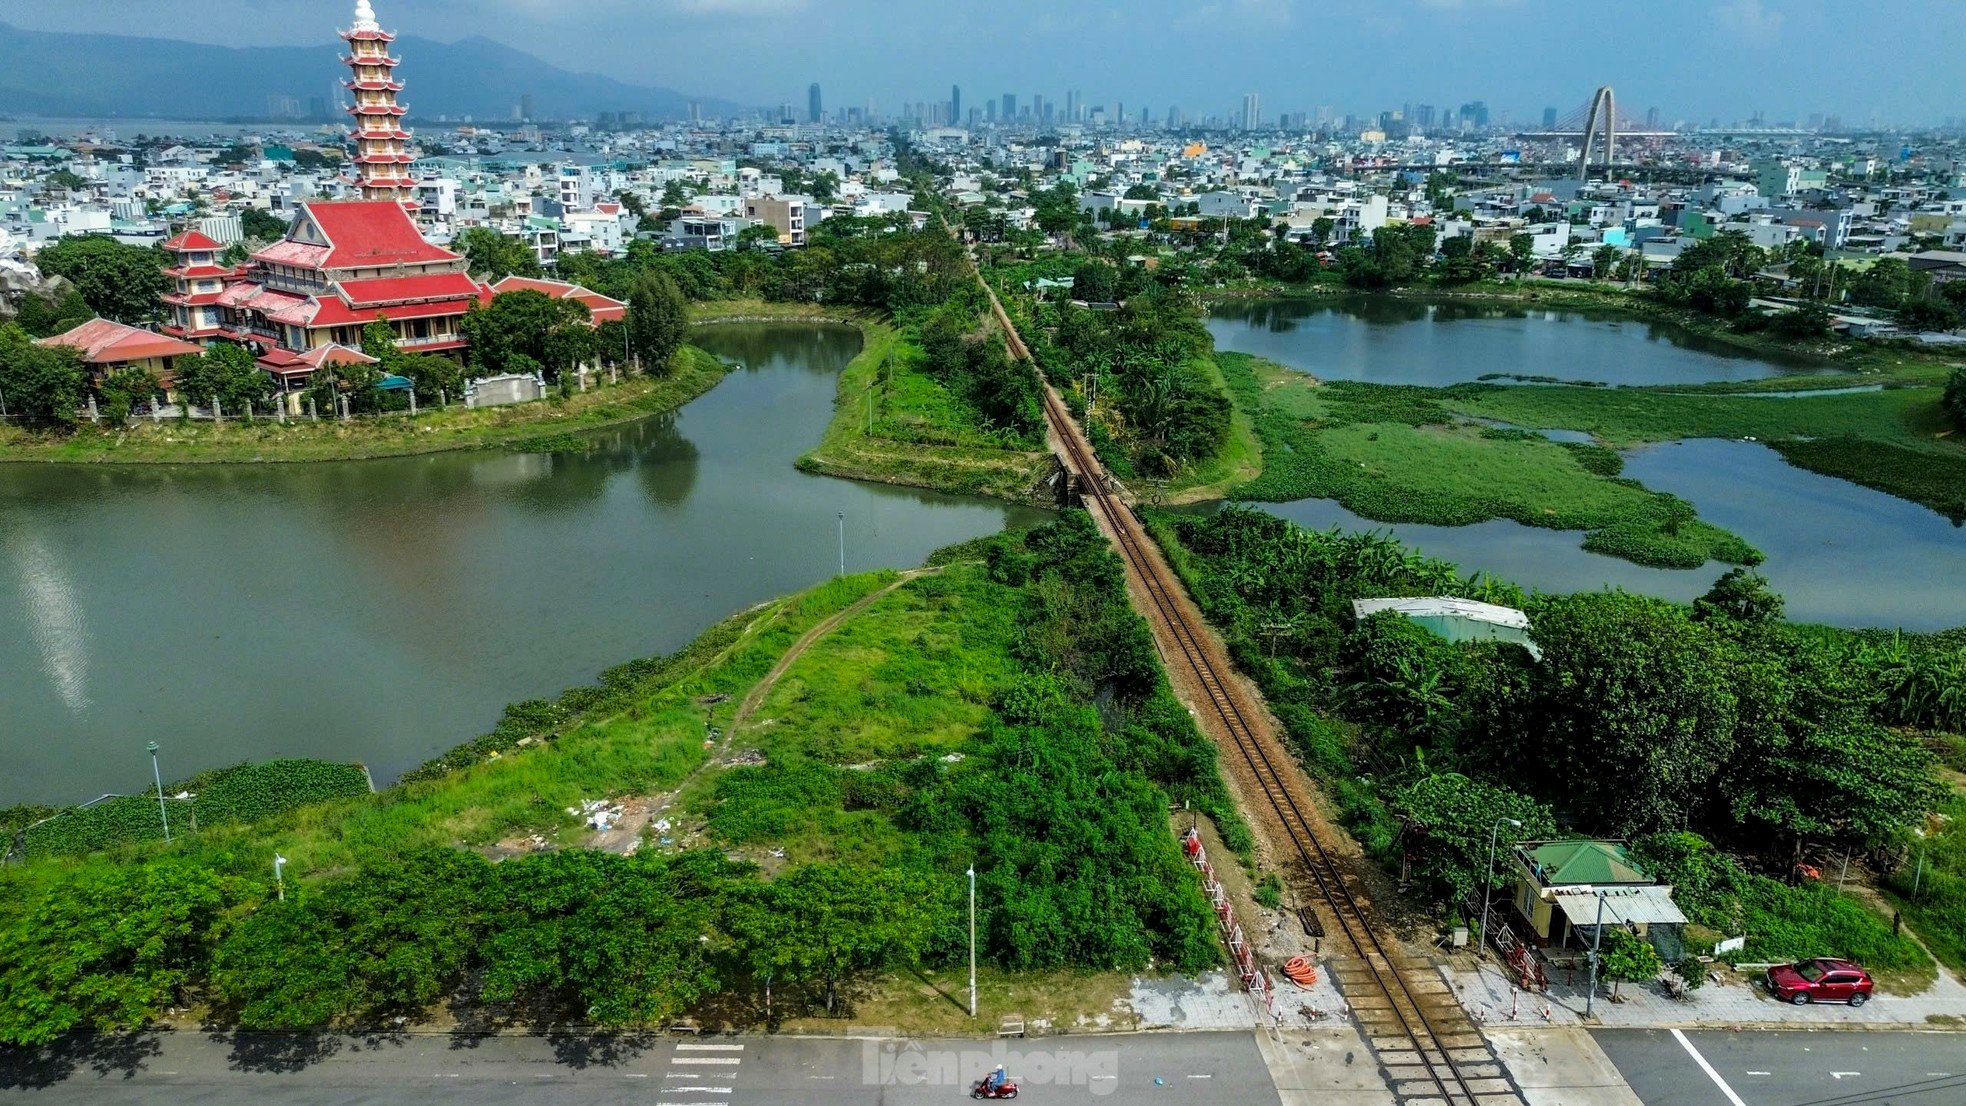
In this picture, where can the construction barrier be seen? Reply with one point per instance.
(1240, 950)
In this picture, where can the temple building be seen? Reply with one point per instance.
(302, 302)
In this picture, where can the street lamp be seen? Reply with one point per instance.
(1488, 876)
(843, 543)
(972, 940)
(159, 776)
(1597, 941)
(279, 882)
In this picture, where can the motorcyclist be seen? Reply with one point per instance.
(996, 1080)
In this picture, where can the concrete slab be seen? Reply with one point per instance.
(1328, 1066)
(1560, 1066)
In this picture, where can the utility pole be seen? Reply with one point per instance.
(158, 774)
(1488, 878)
(972, 940)
(843, 543)
(1597, 942)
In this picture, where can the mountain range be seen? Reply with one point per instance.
(93, 76)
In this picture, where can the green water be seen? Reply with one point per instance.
(382, 611)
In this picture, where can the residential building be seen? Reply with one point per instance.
(786, 214)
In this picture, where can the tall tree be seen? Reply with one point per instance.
(525, 323)
(658, 320)
(494, 256)
(225, 373)
(117, 281)
(39, 384)
(1633, 711)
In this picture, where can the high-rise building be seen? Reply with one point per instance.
(525, 107)
(1651, 119)
(1073, 111)
(696, 111)
(382, 146)
(815, 110)
(1549, 119)
(955, 105)
(1251, 112)
(1010, 107)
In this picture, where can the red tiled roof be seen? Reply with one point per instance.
(192, 240)
(297, 254)
(388, 290)
(333, 312)
(370, 233)
(332, 354)
(196, 272)
(602, 308)
(105, 342)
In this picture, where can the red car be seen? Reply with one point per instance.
(1823, 979)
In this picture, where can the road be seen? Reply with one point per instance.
(275, 1070)
(1790, 1068)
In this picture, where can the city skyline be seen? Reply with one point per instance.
(1729, 60)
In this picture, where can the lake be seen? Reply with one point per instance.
(1840, 553)
(383, 611)
(1390, 340)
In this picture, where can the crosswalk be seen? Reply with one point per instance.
(698, 1071)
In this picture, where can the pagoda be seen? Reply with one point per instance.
(382, 146)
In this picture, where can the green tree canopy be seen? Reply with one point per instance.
(1633, 714)
(107, 948)
(39, 384)
(525, 323)
(225, 373)
(658, 320)
(117, 281)
(494, 256)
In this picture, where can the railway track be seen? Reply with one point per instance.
(1428, 1049)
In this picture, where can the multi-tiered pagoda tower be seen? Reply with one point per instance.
(382, 146)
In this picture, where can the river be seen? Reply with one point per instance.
(382, 611)
(1389, 340)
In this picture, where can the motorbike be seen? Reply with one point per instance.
(984, 1090)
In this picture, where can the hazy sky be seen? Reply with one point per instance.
(1893, 60)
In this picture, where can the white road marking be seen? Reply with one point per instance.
(692, 1104)
(1841, 1074)
(1708, 1068)
(730, 1060)
(709, 1048)
(698, 1090)
(1760, 1073)
(635, 1075)
(1210, 1076)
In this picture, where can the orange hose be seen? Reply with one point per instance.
(1301, 971)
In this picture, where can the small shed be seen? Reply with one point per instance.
(1563, 890)
(1456, 619)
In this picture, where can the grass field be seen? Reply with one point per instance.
(174, 441)
(895, 425)
(1398, 454)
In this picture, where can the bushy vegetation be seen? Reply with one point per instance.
(1641, 716)
(1399, 454)
(1158, 409)
(1029, 666)
(242, 793)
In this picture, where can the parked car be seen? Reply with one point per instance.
(1824, 979)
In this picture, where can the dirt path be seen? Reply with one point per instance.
(626, 834)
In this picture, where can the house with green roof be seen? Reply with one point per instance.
(1565, 890)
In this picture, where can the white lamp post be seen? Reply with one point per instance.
(972, 940)
(158, 774)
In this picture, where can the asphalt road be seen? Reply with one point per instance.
(274, 1070)
(1790, 1068)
